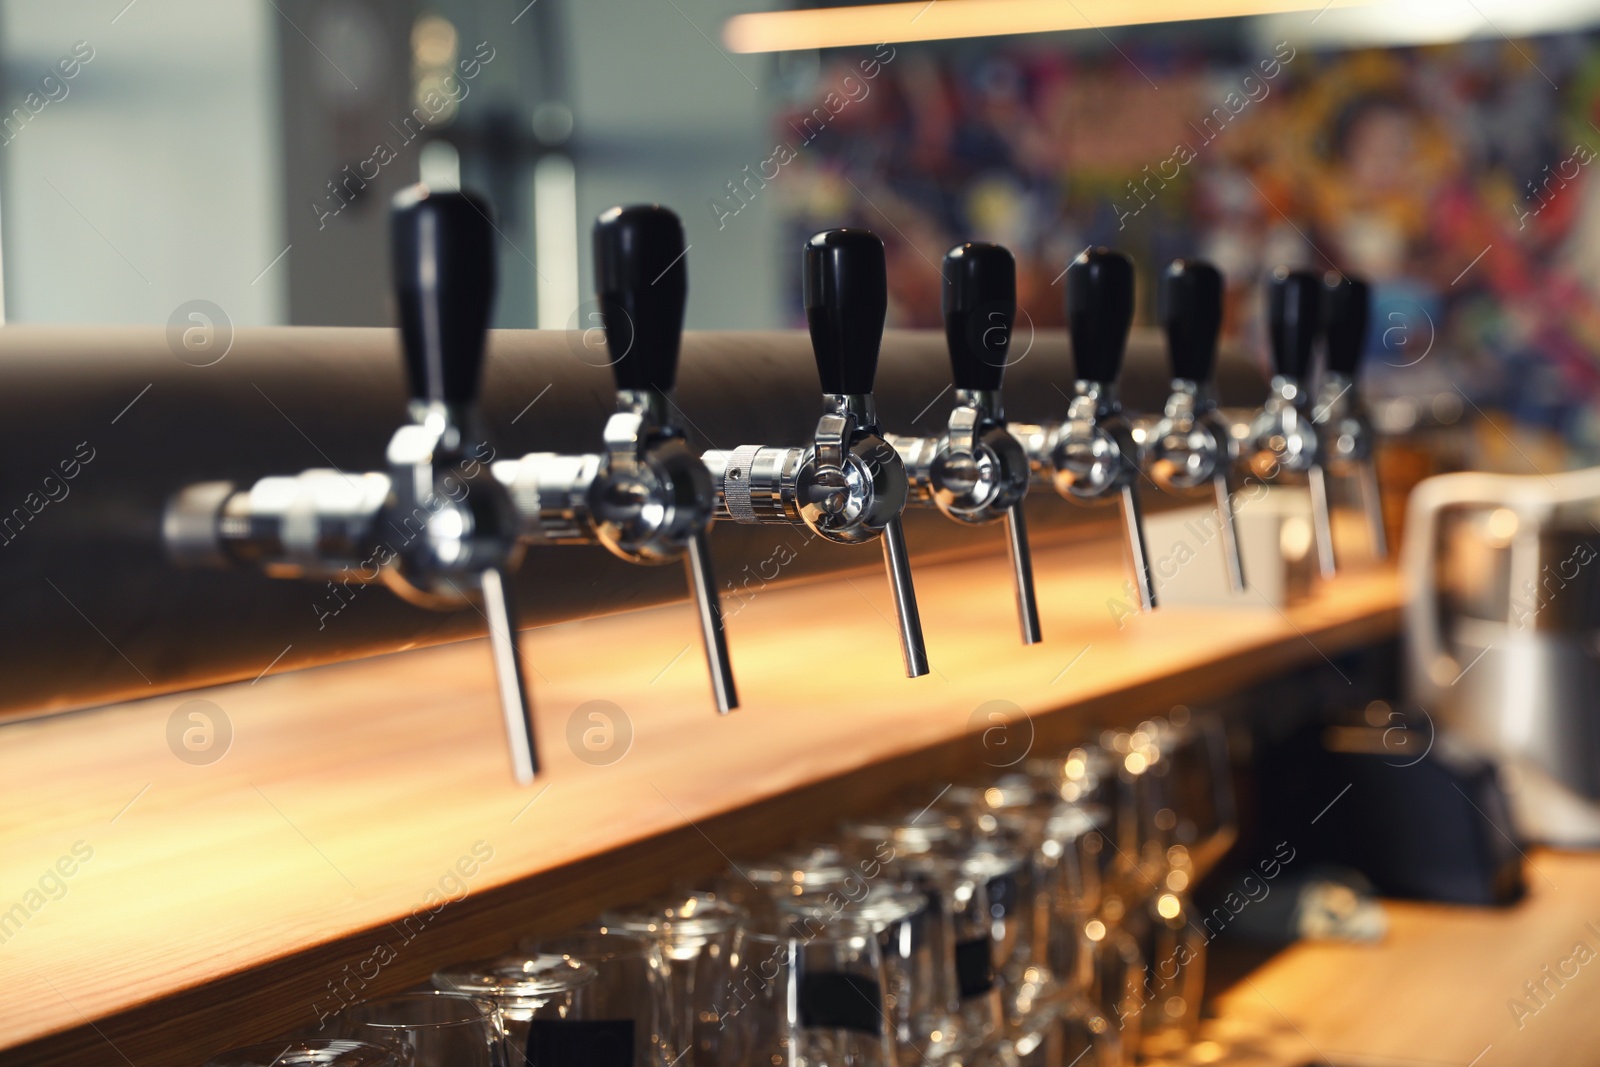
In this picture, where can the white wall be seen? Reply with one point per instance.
(155, 180)
(663, 117)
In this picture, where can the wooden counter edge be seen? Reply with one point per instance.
(183, 1028)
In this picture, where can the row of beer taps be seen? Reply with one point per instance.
(444, 527)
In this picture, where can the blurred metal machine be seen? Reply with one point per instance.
(1503, 633)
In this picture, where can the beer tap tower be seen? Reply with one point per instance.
(976, 472)
(437, 528)
(1191, 446)
(647, 498)
(1282, 436)
(848, 485)
(1346, 435)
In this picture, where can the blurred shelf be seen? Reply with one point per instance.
(226, 902)
(1439, 989)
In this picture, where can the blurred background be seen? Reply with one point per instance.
(241, 152)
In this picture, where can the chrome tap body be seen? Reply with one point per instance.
(1191, 447)
(436, 527)
(848, 484)
(1282, 437)
(976, 472)
(1346, 435)
(1091, 455)
(647, 498)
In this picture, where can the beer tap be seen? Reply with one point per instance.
(977, 473)
(848, 485)
(647, 498)
(1191, 444)
(1091, 456)
(1282, 436)
(437, 528)
(1347, 437)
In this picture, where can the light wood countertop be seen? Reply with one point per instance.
(221, 902)
(1439, 988)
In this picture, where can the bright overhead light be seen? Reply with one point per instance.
(938, 20)
(1437, 22)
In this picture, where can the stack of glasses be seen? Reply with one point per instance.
(1038, 919)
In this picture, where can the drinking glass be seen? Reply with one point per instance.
(758, 885)
(1014, 812)
(1194, 816)
(1051, 1021)
(972, 892)
(536, 999)
(427, 1029)
(810, 994)
(629, 994)
(1104, 784)
(900, 916)
(1202, 795)
(698, 934)
(308, 1054)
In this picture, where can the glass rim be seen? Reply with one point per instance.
(821, 863)
(881, 907)
(710, 915)
(613, 943)
(786, 929)
(273, 1053)
(1069, 821)
(1015, 792)
(513, 976)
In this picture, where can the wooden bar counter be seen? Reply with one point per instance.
(1447, 985)
(362, 827)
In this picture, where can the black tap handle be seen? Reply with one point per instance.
(444, 279)
(643, 285)
(1099, 312)
(846, 297)
(1349, 302)
(1294, 316)
(1190, 305)
(980, 305)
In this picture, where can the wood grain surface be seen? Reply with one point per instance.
(362, 827)
(1446, 986)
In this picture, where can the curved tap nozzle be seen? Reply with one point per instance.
(848, 485)
(1093, 455)
(1282, 436)
(1190, 446)
(438, 528)
(977, 472)
(1347, 438)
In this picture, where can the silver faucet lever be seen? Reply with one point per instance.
(1283, 437)
(1347, 437)
(1190, 447)
(498, 609)
(848, 485)
(1092, 454)
(977, 472)
(436, 527)
(646, 497)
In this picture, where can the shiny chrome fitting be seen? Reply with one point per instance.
(757, 484)
(551, 494)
